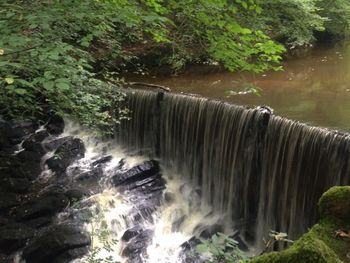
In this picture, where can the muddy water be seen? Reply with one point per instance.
(314, 89)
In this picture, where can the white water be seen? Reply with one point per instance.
(112, 209)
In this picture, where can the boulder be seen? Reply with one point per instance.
(101, 161)
(33, 142)
(138, 245)
(45, 205)
(55, 125)
(8, 200)
(54, 143)
(137, 173)
(58, 242)
(15, 185)
(13, 236)
(69, 151)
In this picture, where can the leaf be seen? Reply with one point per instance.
(63, 86)
(9, 80)
(201, 248)
(1, 52)
(49, 85)
(20, 91)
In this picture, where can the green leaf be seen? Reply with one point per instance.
(20, 91)
(49, 85)
(9, 80)
(63, 86)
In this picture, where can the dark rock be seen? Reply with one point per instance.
(66, 154)
(33, 142)
(45, 205)
(191, 243)
(55, 242)
(71, 254)
(55, 125)
(138, 245)
(90, 176)
(75, 194)
(7, 258)
(55, 143)
(130, 233)
(8, 200)
(169, 197)
(137, 173)
(14, 236)
(16, 185)
(39, 222)
(209, 231)
(21, 129)
(102, 160)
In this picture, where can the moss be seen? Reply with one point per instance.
(319, 245)
(335, 202)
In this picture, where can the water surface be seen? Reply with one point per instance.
(314, 89)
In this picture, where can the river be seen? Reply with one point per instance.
(313, 89)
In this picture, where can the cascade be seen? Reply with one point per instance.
(261, 171)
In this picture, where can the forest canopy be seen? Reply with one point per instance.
(67, 56)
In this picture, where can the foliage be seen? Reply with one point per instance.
(49, 57)
(222, 248)
(210, 30)
(102, 235)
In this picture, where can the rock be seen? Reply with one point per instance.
(335, 202)
(75, 195)
(15, 185)
(71, 150)
(55, 125)
(13, 236)
(55, 143)
(8, 200)
(39, 222)
(102, 160)
(209, 231)
(137, 173)
(46, 205)
(33, 142)
(177, 218)
(132, 232)
(138, 245)
(71, 254)
(55, 242)
(20, 129)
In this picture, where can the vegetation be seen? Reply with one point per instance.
(66, 56)
(321, 243)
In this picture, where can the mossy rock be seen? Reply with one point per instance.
(320, 245)
(306, 250)
(336, 203)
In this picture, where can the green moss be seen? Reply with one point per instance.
(320, 245)
(335, 202)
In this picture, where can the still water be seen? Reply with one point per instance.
(313, 89)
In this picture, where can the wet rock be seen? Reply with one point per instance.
(102, 160)
(45, 205)
(14, 236)
(137, 173)
(209, 231)
(15, 185)
(55, 125)
(57, 242)
(191, 243)
(8, 200)
(90, 176)
(7, 258)
(169, 197)
(71, 150)
(55, 143)
(130, 233)
(33, 142)
(39, 222)
(138, 245)
(71, 254)
(20, 129)
(75, 195)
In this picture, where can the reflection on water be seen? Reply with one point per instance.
(313, 89)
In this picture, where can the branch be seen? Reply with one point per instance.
(20, 51)
(149, 85)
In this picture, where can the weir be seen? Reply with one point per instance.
(262, 171)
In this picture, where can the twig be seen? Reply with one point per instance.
(149, 85)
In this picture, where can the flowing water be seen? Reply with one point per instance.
(314, 89)
(258, 171)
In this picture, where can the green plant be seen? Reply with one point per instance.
(222, 248)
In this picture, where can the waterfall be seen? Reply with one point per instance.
(262, 171)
